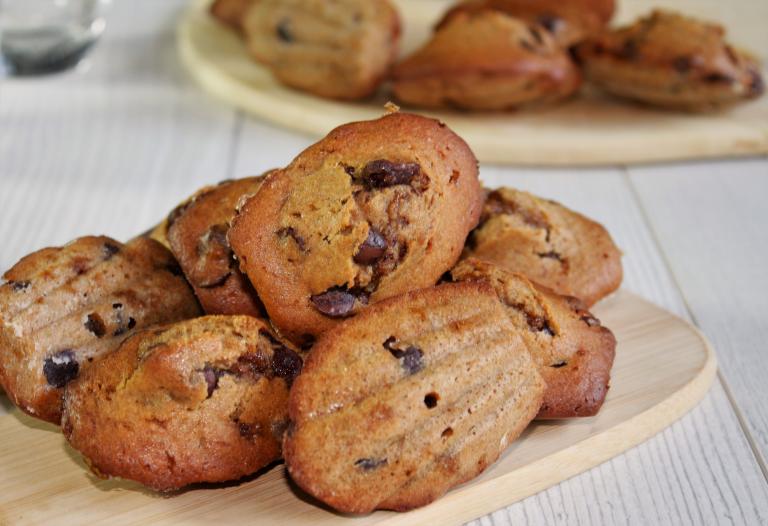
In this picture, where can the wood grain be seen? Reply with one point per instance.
(591, 129)
(663, 368)
(713, 233)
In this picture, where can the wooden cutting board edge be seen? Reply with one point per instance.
(678, 141)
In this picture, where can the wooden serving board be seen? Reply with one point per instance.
(663, 368)
(589, 130)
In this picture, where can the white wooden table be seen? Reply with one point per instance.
(112, 149)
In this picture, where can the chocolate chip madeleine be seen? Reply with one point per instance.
(568, 21)
(197, 234)
(673, 61)
(486, 60)
(373, 210)
(63, 308)
(203, 400)
(340, 49)
(415, 395)
(573, 352)
(548, 243)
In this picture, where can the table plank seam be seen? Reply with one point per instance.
(761, 462)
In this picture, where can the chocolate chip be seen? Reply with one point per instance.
(61, 368)
(95, 324)
(682, 64)
(117, 305)
(372, 248)
(211, 376)
(252, 364)
(630, 50)
(336, 302)
(110, 250)
(430, 400)
(350, 170)
(284, 32)
(291, 232)
(717, 78)
(131, 323)
(539, 324)
(215, 260)
(367, 464)
(558, 365)
(549, 22)
(382, 173)
(18, 286)
(757, 84)
(286, 364)
(411, 356)
(590, 320)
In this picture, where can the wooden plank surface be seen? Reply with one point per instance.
(143, 136)
(587, 130)
(713, 233)
(663, 368)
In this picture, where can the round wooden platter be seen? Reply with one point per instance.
(588, 130)
(663, 367)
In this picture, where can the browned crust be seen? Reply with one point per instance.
(231, 12)
(549, 243)
(569, 22)
(486, 60)
(123, 287)
(575, 360)
(313, 398)
(400, 136)
(671, 60)
(148, 413)
(197, 236)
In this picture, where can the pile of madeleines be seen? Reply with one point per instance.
(494, 54)
(369, 313)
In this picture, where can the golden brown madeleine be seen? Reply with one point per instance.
(569, 21)
(231, 13)
(63, 308)
(375, 209)
(340, 49)
(415, 395)
(203, 400)
(573, 352)
(673, 61)
(197, 234)
(549, 243)
(486, 60)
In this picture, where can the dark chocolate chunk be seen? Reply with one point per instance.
(248, 430)
(110, 250)
(630, 50)
(95, 324)
(372, 248)
(382, 173)
(682, 64)
(549, 22)
(211, 376)
(18, 286)
(590, 320)
(336, 302)
(117, 305)
(283, 31)
(539, 324)
(214, 265)
(368, 464)
(253, 364)
(717, 78)
(411, 356)
(558, 365)
(293, 234)
(350, 170)
(131, 323)
(286, 364)
(61, 368)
